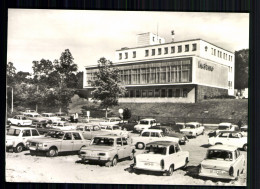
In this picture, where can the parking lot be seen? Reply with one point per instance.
(68, 168)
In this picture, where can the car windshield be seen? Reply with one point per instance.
(223, 127)
(55, 134)
(156, 149)
(13, 132)
(144, 122)
(219, 154)
(102, 141)
(190, 126)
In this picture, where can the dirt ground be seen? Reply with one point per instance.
(68, 168)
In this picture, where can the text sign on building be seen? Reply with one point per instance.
(205, 66)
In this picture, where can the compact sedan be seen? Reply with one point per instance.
(222, 161)
(57, 141)
(161, 156)
(90, 130)
(116, 130)
(107, 149)
(19, 120)
(193, 129)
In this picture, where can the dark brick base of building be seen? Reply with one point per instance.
(204, 92)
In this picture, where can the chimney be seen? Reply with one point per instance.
(172, 32)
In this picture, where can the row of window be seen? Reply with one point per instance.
(157, 93)
(230, 69)
(159, 51)
(220, 54)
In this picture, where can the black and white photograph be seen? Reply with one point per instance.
(127, 97)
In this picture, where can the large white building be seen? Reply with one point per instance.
(173, 72)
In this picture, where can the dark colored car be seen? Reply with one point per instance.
(212, 133)
(169, 131)
(128, 125)
(43, 128)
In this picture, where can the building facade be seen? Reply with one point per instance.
(175, 72)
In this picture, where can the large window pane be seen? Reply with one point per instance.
(144, 93)
(163, 93)
(150, 93)
(157, 92)
(163, 74)
(169, 92)
(143, 76)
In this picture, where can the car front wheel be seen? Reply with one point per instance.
(170, 171)
(18, 148)
(140, 145)
(245, 147)
(52, 152)
(114, 161)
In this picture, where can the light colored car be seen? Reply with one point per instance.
(151, 135)
(244, 130)
(19, 120)
(35, 117)
(16, 137)
(63, 125)
(107, 149)
(90, 130)
(232, 138)
(145, 124)
(222, 161)
(226, 127)
(57, 141)
(193, 129)
(115, 129)
(110, 121)
(51, 117)
(162, 156)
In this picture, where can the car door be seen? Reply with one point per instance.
(26, 134)
(173, 157)
(14, 121)
(145, 137)
(78, 141)
(155, 136)
(127, 148)
(87, 132)
(179, 156)
(222, 138)
(35, 133)
(233, 139)
(120, 148)
(67, 142)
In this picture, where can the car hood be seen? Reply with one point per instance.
(98, 148)
(44, 139)
(216, 164)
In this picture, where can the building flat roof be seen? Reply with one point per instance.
(174, 43)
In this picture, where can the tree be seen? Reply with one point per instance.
(241, 69)
(107, 84)
(10, 73)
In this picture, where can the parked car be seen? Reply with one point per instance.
(161, 156)
(222, 161)
(28, 110)
(51, 117)
(128, 125)
(151, 135)
(233, 138)
(63, 125)
(16, 137)
(57, 141)
(145, 124)
(193, 129)
(91, 130)
(226, 127)
(35, 117)
(244, 130)
(107, 149)
(110, 121)
(19, 120)
(42, 128)
(180, 126)
(169, 131)
(115, 129)
(63, 116)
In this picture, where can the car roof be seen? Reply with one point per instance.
(193, 123)
(225, 123)
(14, 127)
(147, 119)
(163, 143)
(223, 147)
(109, 136)
(154, 130)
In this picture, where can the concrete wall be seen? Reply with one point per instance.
(204, 91)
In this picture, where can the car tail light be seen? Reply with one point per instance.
(231, 171)
(162, 164)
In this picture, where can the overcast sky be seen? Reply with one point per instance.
(36, 34)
